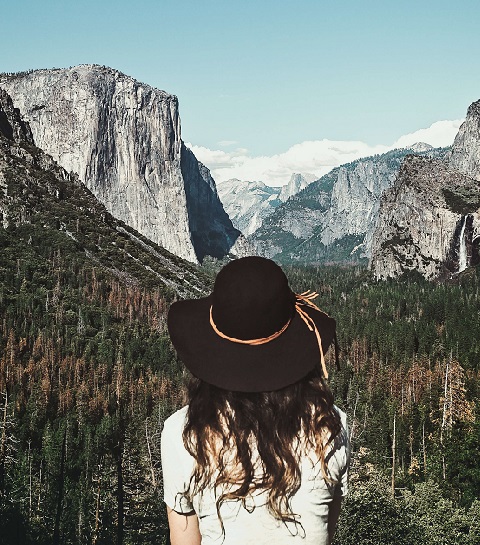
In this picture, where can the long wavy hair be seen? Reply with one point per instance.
(249, 442)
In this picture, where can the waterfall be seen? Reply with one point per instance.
(462, 254)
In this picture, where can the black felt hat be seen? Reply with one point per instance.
(249, 334)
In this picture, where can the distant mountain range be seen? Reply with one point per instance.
(333, 219)
(249, 203)
(409, 209)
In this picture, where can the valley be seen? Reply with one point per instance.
(106, 218)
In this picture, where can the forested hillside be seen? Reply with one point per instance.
(87, 372)
(88, 375)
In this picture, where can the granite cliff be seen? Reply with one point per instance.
(465, 153)
(429, 220)
(123, 140)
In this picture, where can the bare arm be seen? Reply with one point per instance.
(333, 513)
(183, 528)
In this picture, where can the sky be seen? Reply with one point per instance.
(271, 87)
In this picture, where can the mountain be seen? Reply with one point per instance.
(419, 147)
(44, 210)
(296, 183)
(249, 203)
(465, 153)
(429, 221)
(334, 218)
(123, 139)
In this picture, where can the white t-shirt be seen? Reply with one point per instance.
(254, 524)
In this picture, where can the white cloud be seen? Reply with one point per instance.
(438, 135)
(317, 157)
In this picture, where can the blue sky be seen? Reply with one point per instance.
(256, 78)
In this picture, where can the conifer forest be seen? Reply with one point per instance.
(88, 375)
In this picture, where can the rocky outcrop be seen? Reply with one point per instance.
(420, 147)
(429, 221)
(12, 125)
(422, 225)
(355, 199)
(249, 203)
(123, 139)
(296, 183)
(465, 154)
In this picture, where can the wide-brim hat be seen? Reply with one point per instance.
(252, 333)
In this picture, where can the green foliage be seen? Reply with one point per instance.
(398, 319)
(344, 250)
(463, 470)
(404, 343)
(464, 199)
(87, 371)
(370, 516)
(439, 521)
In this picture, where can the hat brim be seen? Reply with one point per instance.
(246, 368)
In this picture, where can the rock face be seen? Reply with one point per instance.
(44, 203)
(249, 203)
(419, 226)
(429, 221)
(296, 183)
(465, 154)
(123, 140)
(334, 218)
(355, 199)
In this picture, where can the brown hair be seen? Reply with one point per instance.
(223, 427)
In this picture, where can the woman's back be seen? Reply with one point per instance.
(252, 521)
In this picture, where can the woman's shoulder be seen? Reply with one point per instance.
(176, 421)
(172, 437)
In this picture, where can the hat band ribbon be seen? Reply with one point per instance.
(303, 299)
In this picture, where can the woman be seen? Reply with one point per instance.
(260, 453)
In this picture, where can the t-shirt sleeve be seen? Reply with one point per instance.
(176, 465)
(342, 457)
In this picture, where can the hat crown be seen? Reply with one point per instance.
(251, 299)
